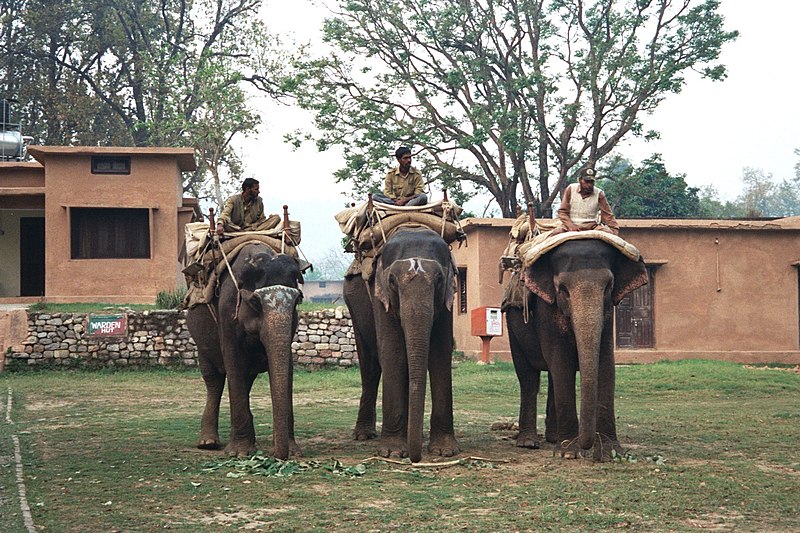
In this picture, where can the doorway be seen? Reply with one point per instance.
(31, 253)
(634, 317)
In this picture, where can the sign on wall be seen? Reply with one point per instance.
(107, 325)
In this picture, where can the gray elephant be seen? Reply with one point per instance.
(248, 331)
(404, 329)
(576, 286)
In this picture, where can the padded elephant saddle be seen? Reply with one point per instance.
(370, 225)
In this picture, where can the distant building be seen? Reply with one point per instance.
(99, 224)
(324, 291)
(719, 289)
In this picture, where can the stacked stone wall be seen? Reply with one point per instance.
(161, 339)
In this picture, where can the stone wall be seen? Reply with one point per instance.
(160, 339)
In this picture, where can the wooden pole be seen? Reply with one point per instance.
(485, 349)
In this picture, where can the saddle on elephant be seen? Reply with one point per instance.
(525, 247)
(370, 225)
(208, 254)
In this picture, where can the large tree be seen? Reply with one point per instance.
(127, 72)
(648, 190)
(496, 94)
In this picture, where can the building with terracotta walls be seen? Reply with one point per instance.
(719, 289)
(98, 224)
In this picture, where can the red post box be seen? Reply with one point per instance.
(486, 322)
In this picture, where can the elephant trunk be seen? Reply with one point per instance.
(417, 332)
(587, 323)
(277, 332)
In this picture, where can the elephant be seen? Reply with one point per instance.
(576, 286)
(403, 321)
(249, 330)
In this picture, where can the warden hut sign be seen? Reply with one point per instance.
(107, 325)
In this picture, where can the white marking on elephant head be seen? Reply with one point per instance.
(279, 297)
(415, 265)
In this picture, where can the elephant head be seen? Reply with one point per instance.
(585, 279)
(417, 291)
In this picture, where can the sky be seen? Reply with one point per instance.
(710, 131)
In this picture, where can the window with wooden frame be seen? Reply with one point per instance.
(109, 233)
(104, 164)
(462, 290)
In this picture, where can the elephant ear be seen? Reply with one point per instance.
(629, 275)
(538, 277)
(382, 284)
(248, 309)
(450, 275)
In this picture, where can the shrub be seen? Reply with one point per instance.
(170, 299)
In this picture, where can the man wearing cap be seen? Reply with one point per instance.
(403, 184)
(584, 207)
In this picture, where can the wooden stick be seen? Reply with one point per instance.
(531, 219)
(212, 227)
(438, 464)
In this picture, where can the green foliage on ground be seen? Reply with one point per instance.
(710, 445)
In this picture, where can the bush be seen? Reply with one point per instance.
(170, 299)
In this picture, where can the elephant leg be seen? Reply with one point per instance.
(550, 424)
(392, 350)
(606, 441)
(528, 394)
(206, 336)
(358, 302)
(294, 448)
(209, 424)
(243, 435)
(370, 369)
(440, 361)
(563, 366)
(528, 390)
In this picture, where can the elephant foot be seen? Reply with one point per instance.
(240, 449)
(364, 433)
(209, 443)
(444, 446)
(294, 449)
(605, 448)
(551, 437)
(528, 440)
(568, 449)
(393, 447)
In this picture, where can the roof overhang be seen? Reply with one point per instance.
(183, 156)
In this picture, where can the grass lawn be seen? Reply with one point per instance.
(712, 446)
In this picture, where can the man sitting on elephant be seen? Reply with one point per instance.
(242, 212)
(403, 184)
(581, 204)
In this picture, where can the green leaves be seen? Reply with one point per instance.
(262, 465)
(494, 94)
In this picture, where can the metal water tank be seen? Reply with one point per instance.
(12, 145)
